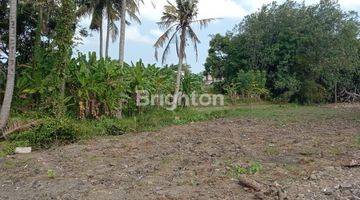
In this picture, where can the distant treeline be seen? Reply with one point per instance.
(309, 54)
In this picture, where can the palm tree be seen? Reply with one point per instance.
(177, 20)
(111, 29)
(131, 6)
(113, 10)
(5, 109)
(95, 9)
(122, 33)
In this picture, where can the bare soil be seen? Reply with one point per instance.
(305, 158)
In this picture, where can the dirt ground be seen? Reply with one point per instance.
(304, 158)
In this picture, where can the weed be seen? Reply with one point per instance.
(2, 154)
(272, 150)
(51, 174)
(293, 169)
(307, 152)
(356, 142)
(194, 183)
(8, 148)
(255, 168)
(336, 151)
(240, 170)
(9, 164)
(237, 170)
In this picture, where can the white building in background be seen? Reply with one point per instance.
(208, 80)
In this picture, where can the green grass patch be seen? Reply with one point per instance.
(51, 174)
(237, 170)
(69, 130)
(272, 150)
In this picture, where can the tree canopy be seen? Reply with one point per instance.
(307, 52)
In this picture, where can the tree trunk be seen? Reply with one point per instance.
(107, 38)
(122, 33)
(5, 108)
(179, 72)
(101, 39)
(335, 92)
(119, 114)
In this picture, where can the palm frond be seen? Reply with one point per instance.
(161, 41)
(97, 18)
(114, 30)
(182, 15)
(19, 126)
(195, 40)
(204, 22)
(134, 17)
(167, 48)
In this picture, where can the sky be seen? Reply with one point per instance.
(140, 38)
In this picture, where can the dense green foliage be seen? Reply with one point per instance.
(94, 88)
(307, 52)
(59, 91)
(251, 83)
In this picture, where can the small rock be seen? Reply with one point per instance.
(330, 168)
(356, 192)
(23, 150)
(35, 185)
(354, 163)
(346, 193)
(346, 186)
(328, 191)
(313, 177)
(301, 196)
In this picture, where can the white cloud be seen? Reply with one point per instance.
(253, 5)
(156, 32)
(220, 9)
(152, 10)
(350, 4)
(133, 34)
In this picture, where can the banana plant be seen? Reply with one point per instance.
(99, 86)
(191, 83)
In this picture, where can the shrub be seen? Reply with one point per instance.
(251, 84)
(52, 131)
(311, 92)
(191, 83)
(219, 87)
(8, 148)
(114, 127)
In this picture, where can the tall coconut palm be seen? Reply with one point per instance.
(95, 9)
(113, 9)
(122, 33)
(176, 21)
(111, 28)
(129, 7)
(5, 108)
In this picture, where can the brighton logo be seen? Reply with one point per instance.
(171, 102)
